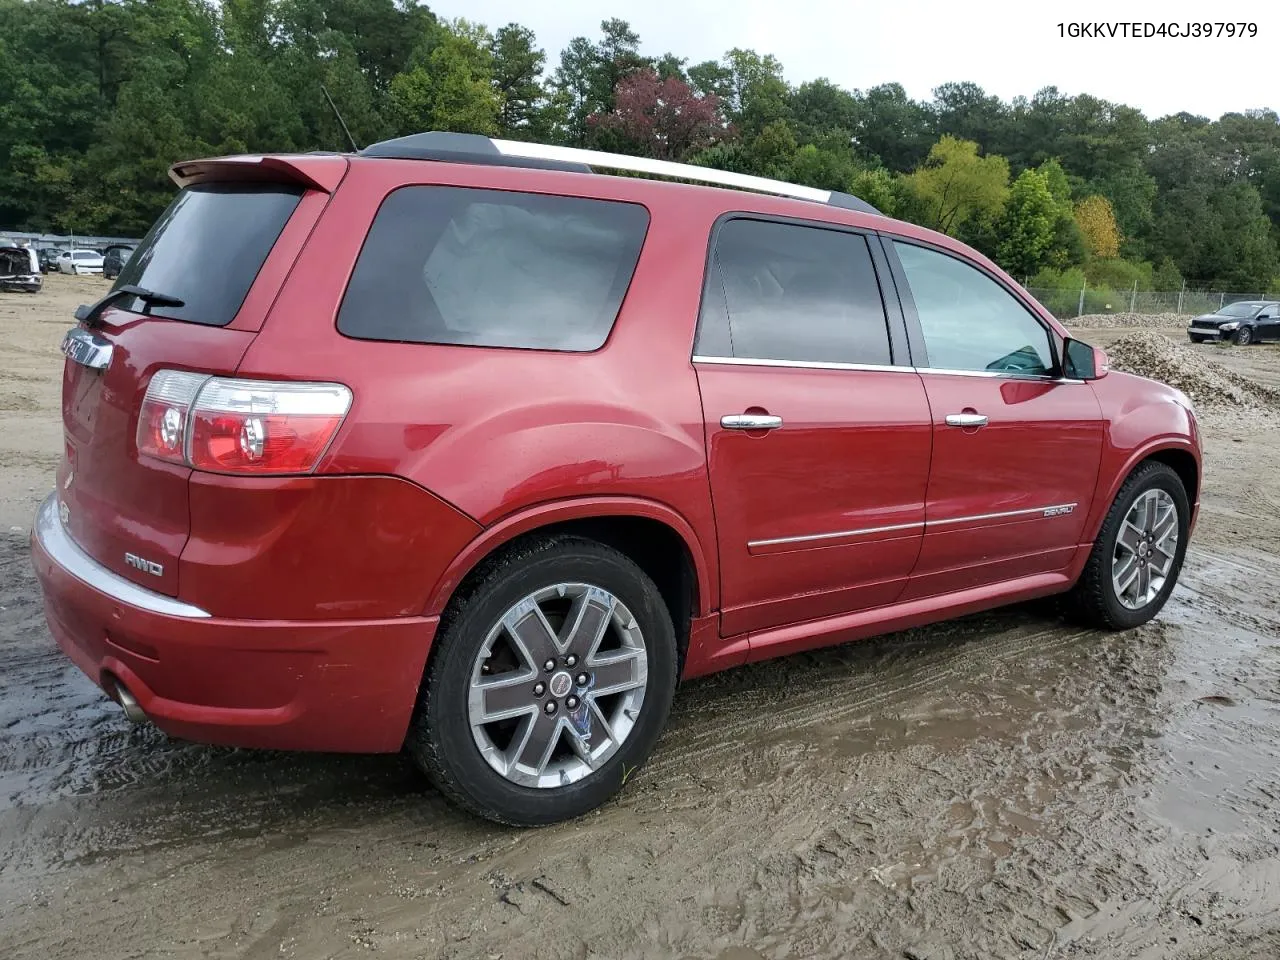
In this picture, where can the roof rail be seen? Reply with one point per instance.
(475, 148)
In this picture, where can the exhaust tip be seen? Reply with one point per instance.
(132, 711)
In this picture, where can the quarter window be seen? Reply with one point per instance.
(780, 291)
(969, 321)
(452, 265)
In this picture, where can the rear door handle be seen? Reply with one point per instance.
(966, 420)
(750, 421)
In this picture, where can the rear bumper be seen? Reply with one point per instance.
(345, 686)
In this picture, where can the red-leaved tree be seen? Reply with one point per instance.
(664, 118)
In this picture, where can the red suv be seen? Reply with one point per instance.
(454, 445)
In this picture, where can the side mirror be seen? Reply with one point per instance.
(1080, 361)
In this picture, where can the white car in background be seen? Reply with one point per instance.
(80, 261)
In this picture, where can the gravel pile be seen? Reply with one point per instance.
(1206, 382)
(1112, 320)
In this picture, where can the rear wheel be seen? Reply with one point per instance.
(1244, 336)
(1138, 555)
(550, 683)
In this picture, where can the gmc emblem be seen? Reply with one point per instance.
(146, 566)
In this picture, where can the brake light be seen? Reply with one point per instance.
(240, 426)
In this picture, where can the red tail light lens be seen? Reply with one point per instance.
(247, 426)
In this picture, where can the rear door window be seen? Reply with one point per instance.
(208, 246)
(781, 291)
(452, 265)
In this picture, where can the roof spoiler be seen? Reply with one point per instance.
(314, 171)
(475, 148)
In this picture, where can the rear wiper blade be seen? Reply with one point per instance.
(91, 314)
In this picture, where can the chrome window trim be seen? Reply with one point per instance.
(66, 553)
(832, 536)
(987, 374)
(803, 364)
(1046, 513)
(881, 368)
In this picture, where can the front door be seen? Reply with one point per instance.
(818, 445)
(1016, 448)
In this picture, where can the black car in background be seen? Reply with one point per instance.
(113, 260)
(49, 259)
(1242, 322)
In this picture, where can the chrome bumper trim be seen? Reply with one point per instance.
(64, 551)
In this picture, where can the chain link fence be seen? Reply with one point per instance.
(1069, 303)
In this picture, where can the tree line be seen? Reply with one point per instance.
(99, 97)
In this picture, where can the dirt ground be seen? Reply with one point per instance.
(1002, 786)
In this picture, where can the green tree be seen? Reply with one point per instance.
(1026, 227)
(517, 72)
(589, 73)
(757, 96)
(452, 88)
(955, 184)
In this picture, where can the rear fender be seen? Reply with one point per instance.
(549, 514)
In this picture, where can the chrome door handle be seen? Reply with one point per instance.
(750, 421)
(966, 420)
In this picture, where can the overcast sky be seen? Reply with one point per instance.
(1009, 47)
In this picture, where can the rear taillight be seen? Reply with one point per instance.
(239, 426)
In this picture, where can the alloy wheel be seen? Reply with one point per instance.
(557, 686)
(1145, 549)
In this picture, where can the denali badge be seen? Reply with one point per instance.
(146, 566)
(1059, 511)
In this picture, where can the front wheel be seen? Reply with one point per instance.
(1244, 337)
(551, 681)
(1136, 559)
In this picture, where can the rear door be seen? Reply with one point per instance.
(130, 512)
(817, 428)
(1269, 322)
(1016, 448)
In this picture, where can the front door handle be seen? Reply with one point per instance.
(750, 421)
(966, 420)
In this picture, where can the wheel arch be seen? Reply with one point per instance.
(652, 534)
(1179, 454)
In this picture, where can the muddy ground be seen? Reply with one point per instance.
(1003, 786)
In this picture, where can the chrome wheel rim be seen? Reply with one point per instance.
(1145, 549)
(558, 685)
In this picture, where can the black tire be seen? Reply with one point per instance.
(1197, 339)
(1093, 600)
(1244, 336)
(440, 738)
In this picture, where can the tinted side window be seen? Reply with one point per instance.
(493, 268)
(969, 321)
(208, 247)
(791, 292)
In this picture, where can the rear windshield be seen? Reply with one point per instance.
(208, 247)
(451, 265)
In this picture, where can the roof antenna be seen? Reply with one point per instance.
(334, 107)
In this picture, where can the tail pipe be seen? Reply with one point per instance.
(132, 711)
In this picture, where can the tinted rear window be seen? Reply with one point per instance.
(208, 247)
(451, 265)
